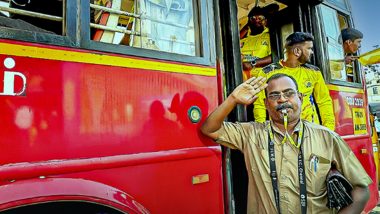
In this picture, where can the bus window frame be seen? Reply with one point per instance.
(202, 8)
(322, 48)
(77, 18)
(67, 40)
(337, 7)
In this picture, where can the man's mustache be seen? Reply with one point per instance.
(283, 106)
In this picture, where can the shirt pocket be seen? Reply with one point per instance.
(316, 176)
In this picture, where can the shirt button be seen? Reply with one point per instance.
(283, 177)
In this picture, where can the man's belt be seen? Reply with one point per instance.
(338, 190)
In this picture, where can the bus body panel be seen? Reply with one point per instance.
(79, 109)
(350, 109)
(351, 113)
(58, 189)
(158, 186)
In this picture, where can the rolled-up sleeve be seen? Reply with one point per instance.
(349, 165)
(234, 135)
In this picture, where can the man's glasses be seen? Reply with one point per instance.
(277, 95)
(257, 17)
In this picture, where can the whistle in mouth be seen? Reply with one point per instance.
(284, 111)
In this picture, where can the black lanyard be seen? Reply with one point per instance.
(301, 170)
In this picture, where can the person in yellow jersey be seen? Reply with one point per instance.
(255, 41)
(298, 51)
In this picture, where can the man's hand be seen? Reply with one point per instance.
(246, 93)
(350, 59)
(360, 196)
(247, 66)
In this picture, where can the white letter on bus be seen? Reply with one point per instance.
(9, 83)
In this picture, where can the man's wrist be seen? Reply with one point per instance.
(232, 100)
(252, 63)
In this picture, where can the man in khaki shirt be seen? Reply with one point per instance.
(289, 138)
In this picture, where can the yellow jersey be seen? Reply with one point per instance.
(258, 46)
(313, 88)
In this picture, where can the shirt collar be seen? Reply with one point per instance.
(266, 30)
(277, 130)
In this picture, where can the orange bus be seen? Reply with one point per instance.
(101, 101)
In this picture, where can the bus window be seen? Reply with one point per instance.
(286, 30)
(148, 24)
(352, 68)
(340, 3)
(333, 23)
(343, 22)
(334, 46)
(33, 15)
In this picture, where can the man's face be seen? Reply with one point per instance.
(353, 46)
(279, 92)
(257, 20)
(306, 52)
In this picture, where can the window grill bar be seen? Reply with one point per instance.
(113, 29)
(110, 10)
(31, 14)
(120, 12)
(64, 17)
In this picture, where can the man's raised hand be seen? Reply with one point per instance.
(350, 59)
(246, 93)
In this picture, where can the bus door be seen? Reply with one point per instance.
(325, 20)
(291, 16)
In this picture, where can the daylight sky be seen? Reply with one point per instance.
(366, 15)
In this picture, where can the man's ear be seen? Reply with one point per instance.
(300, 95)
(297, 51)
(348, 42)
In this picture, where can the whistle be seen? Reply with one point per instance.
(283, 111)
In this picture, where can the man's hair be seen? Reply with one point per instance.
(265, 11)
(280, 75)
(297, 38)
(351, 34)
(256, 11)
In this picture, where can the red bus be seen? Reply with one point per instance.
(102, 101)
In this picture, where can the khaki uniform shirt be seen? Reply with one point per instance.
(252, 139)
